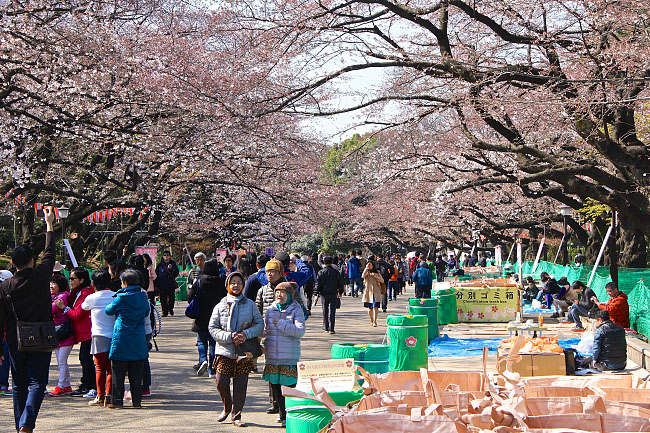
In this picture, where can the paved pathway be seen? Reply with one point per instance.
(183, 402)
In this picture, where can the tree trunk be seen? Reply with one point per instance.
(631, 244)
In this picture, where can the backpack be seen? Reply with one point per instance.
(386, 270)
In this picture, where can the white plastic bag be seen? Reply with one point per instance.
(586, 345)
(536, 305)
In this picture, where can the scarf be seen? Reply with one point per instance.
(283, 307)
(233, 312)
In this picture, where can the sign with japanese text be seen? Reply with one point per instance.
(492, 304)
(334, 374)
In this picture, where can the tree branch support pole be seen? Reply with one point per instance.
(602, 251)
(613, 250)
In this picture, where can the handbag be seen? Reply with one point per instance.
(64, 331)
(338, 303)
(34, 336)
(192, 310)
(250, 347)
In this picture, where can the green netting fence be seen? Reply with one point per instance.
(631, 281)
(639, 300)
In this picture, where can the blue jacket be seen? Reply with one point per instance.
(353, 267)
(129, 307)
(422, 277)
(301, 276)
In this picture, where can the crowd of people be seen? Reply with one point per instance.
(241, 307)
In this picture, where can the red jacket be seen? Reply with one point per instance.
(618, 309)
(81, 318)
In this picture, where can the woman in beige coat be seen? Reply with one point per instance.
(372, 295)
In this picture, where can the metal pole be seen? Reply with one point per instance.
(63, 237)
(600, 254)
(565, 256)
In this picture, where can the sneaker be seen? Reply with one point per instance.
(97, 401)
(278, 419)
(284, 423)
(197, 365)
(79, 392)
(91, 394)
(555, 316)
(171, 312)
(202, 369)
(58, 392)
(272, 410)
(68, 390)
(146, 393)
(576, 329)
(332, 332)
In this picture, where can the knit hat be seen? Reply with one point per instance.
(289, 287)
(275, 265)
(234, 274)
(283, 258)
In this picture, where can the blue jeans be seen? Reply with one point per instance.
(393, 289)
(355, 282)
(29, 371)
(205, 342)
(574, 314)
(6, 365)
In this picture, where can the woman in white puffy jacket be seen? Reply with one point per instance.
(284, 327)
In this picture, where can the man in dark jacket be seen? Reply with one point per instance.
(580, 308)
(610, 346)
(252, 283)
(329, 286)
(441, 268)
(166, 273)
(211, 288)
(27, 295)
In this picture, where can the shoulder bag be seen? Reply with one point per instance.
(34, 336)
(192, 310)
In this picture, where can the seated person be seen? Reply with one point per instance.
(580, 308)
(531, 290)
(610, 346)
(551, 288)
(616, 306)
(564, 299)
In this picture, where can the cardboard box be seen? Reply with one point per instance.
(536, 364)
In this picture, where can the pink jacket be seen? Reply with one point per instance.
(80, 317)
(60, 318)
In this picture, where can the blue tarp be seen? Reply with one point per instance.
(445, 347)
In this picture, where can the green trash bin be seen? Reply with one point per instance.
(309, 416)
(407, 338)
(426, 307)
(371, 357)
(181, 294)
(447, 307)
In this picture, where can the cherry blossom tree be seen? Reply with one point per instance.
(544, 96)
